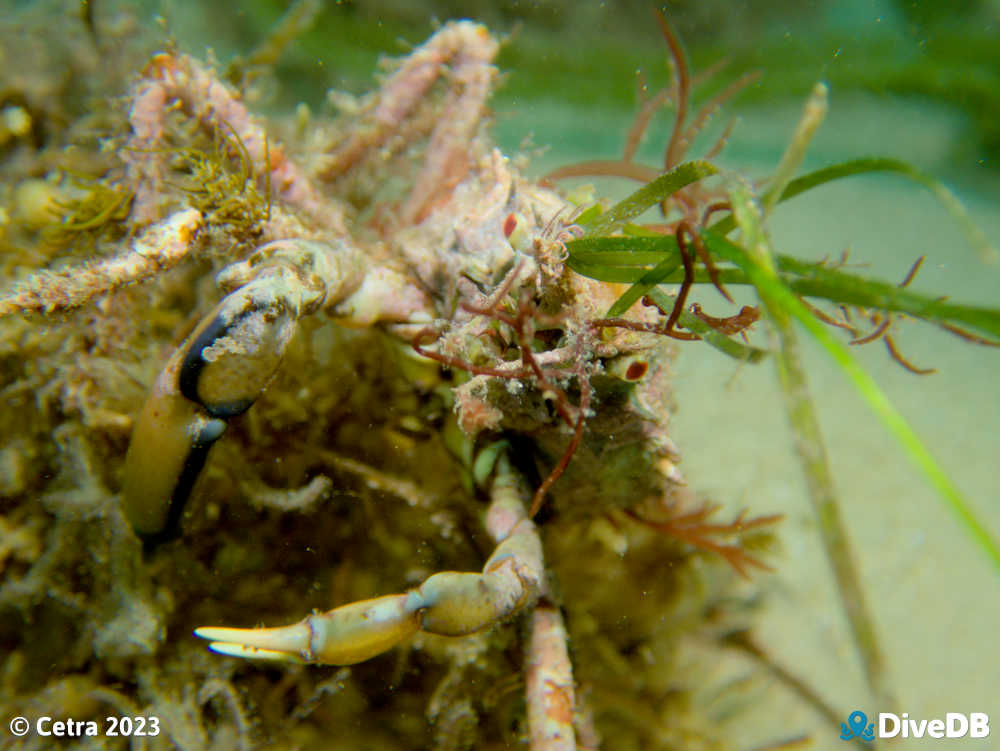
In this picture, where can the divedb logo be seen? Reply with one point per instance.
(889, 725)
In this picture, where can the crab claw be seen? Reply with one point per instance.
(349, 634)
(449, 603)
(216, 374)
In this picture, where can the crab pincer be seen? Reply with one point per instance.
(449, 603)
(216, 374)
(219, 372)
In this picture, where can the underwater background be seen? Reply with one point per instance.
(919, 81)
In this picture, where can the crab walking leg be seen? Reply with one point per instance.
(161, 246)
(549, 689)
(448, 156)
(463, 49)
(448, 603)
(549, 685)
(172, 81)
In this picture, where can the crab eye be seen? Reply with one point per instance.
(636, 370)
(515, 229)
(509, 225)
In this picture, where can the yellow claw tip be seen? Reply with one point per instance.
(282, 643)
(215, 633)
(252, 653)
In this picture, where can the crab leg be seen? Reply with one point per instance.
(448, 154)
(448, 603)
(173, 81)
(462, 52)
(159, 247)
(462, 43)
(549, 685)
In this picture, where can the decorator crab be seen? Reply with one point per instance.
(470, 367)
